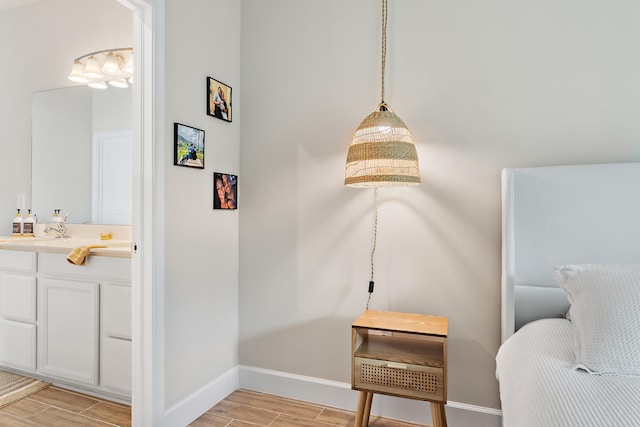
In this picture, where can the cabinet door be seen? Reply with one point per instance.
(70, 330)
(115, 309)
(115, 365)
(18, 297)
(18, 345)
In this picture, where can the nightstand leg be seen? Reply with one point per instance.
(438, 415)
(364, 408)
(367, 410)
(360, 411)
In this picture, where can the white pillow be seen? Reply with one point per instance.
(605, 314)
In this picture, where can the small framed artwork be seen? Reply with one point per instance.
(225, 191)
(218, 99)
(188, 146)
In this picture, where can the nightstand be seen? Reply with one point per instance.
(400, 354)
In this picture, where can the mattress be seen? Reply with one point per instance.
(539, 387)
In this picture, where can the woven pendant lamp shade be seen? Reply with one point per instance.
(382, 153)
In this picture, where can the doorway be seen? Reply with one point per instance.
(147, 275)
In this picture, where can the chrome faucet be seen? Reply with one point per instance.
(59, 226)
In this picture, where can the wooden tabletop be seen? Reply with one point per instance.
(403, 322)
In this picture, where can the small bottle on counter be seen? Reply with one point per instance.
(17, 224)
(56, 216)
(27, 225)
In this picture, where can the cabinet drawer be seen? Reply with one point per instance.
(399, 379)
(115, 309)
(18, 260)
(103, 267)
(18, 345)
(18, 297)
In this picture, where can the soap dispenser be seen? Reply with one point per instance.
(56, 216)
(17, 224)
(27, 225)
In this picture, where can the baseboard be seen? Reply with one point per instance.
(339, 395)
(191, 407)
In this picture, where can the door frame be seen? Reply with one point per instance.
(147, 275)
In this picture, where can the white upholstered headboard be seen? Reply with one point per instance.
(559, 215)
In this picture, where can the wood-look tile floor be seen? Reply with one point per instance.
(55, 407)
(244, 408)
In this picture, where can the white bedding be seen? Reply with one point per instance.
(538, 386)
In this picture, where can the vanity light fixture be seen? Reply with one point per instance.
(382, 153)
(112, 64)
(121, 83)
(97, 85)
(92, 68)
(128, 66)
(76, 73)
(96, 69)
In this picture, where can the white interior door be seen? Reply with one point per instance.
(112, 174)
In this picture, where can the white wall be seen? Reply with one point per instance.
(482, 86)
(40, 41)
(201, 273)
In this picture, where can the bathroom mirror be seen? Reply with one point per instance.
(81, 154)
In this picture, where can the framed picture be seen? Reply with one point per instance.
(218, 99)
(188, 146)
(225, 191)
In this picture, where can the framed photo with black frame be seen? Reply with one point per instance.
(218, 99)
(225, 191)
(188, 146)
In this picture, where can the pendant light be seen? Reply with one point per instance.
(382, 153)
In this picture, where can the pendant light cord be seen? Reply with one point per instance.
(375, 241)
(385, 12)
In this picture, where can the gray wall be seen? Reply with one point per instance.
(482, 86)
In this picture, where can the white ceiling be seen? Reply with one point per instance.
(10, 4)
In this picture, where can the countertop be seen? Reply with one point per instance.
(115, 247)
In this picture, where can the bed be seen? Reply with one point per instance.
(570, 353)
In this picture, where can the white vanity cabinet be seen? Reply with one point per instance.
(86, 325)
(70, 324)
(18, 310)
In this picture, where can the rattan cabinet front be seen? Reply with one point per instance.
(406, 363)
